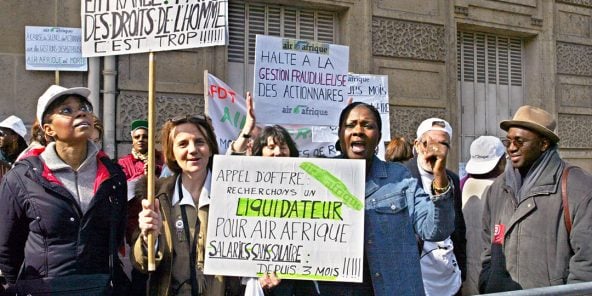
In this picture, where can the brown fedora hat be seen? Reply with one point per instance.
(535, 119)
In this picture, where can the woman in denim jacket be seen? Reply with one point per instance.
(396, 209)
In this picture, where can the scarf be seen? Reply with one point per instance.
(143, 158)
(542, 165)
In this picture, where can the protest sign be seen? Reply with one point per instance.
(300, 218)
(227, 109)
(370, 89)
(302, 136)
(299, 81)
(373, 90)
(53, 49)
(114, 27)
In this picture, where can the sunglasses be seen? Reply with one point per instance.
(190, 118)
(69, 111)
(4, 133)
(518, 142)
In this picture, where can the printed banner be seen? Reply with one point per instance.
(373, 90)
(228, 111)
(114, 27)
(299, 81)
(302, 136)
(53, 49)
(300, 218)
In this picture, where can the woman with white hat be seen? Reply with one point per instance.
(63, 208)
(12, 138)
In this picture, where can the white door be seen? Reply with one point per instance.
(490, 84)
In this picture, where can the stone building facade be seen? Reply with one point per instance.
(472, 62)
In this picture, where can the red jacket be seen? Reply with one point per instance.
(133, 168)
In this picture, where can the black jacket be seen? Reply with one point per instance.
(42, 227)
(458, 237)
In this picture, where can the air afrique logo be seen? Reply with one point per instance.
(304, 110)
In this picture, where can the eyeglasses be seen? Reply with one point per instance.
(425, 144)
(68, 110)
(518, 142)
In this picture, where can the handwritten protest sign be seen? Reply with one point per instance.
(114, 27)
(300, 218)
(299, 81)
(53, 49)
(370, 89)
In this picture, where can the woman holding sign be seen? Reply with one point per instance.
(396, 209)
(271, 141)
(180, 214)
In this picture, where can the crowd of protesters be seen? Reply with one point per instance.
(520, 219)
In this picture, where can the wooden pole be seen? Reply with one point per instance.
(206, 93)
(57, 77)
(151, 150)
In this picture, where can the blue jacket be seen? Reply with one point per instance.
(396, 210)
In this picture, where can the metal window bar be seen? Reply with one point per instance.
(469, 57)
(561, 290)
(458, 56)
(237, 41)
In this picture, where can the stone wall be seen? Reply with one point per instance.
(574, 76)
(19, 88)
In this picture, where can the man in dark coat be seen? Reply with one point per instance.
(531, 239)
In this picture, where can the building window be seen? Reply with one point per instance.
(491, 59)
(247, 19)
(490, 84)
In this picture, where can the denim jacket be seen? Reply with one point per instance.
(397, 210)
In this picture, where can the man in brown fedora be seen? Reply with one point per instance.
(530, 239)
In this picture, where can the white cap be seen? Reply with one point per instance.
(486, 152)
(54, 92)
(15, 124)
(434, 124)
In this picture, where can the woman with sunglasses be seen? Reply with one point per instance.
(12, 139)
(179, 216)
(63, 207)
